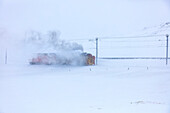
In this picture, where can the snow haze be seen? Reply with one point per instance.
(82, 18)
(112, 86)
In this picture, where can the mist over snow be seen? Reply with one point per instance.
(77, 19)
(83, 18)
(28, 27)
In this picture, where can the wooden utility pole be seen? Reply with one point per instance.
(167, 49)
(6, 56)
(96, 51)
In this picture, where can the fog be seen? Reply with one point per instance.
(82, 18)
(76, 19)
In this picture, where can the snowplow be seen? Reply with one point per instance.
(89, 59)
(55, 59)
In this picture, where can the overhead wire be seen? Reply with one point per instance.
(117, 37)
(140, 36)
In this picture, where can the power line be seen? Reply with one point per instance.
(131, 36)
(135, 41)
(146, 46)
(126, 47)
(116, 37)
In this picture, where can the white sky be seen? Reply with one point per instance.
(79, 18)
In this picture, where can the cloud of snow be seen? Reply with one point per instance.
(50, 42)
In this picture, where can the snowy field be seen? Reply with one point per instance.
(113, 86)
(68, 28)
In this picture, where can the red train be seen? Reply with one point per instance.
(53, 58)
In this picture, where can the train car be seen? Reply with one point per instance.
(54, 59)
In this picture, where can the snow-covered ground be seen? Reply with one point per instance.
(113, 86)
